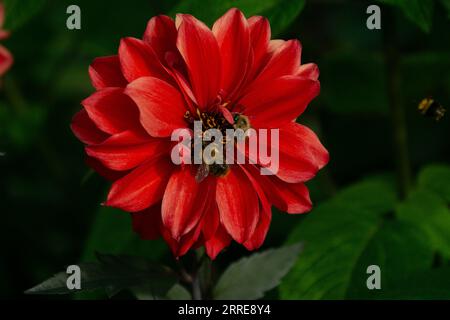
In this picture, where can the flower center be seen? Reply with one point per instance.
(213, 121)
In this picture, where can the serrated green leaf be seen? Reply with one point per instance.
(430, 212)
(436, 178)
(431, 284)
(18, 12)
(336, 235)
(113, 274)
(260, 272)
(418, 11)
(280, 13)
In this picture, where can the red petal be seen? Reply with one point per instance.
(105, 72)
(6, 60)
(259, 37)
(85, 130)
(126, 150)
(112, 111)
(211, 217)
(302, 162)
(179, 248)
(285, 60)
(309, 70)
(233, 36)
(139, 60)
(184, 202)
(265, 216)
(161, 35)
(288, 197)
(141, 188)
(161, 106)
(238, 204)
(279, 101)
(217, 243)
(200, 51)
(146, 223)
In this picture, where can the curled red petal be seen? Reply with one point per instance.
(161, 35)
(112, 110)
(138, 59)
(301, 163)
(86, 130)
(161, 106)
(220, 240)
(126, 150)
(142, 187)
(105, 72)
(309, 70)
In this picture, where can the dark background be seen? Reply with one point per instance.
(50, 201)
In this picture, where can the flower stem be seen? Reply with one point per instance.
(392, 61)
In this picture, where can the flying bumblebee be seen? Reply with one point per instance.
(429, 107)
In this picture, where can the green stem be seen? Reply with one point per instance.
(392, 61)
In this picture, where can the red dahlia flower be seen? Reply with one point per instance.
(180, 71)
(6, 58)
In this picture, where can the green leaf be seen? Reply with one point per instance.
(113, 273)
(110, 221)
(430, 212)
(18, 12)
(446, 4)
(260, 272)
(178, 292)
(336, 236)
(418, 11)
(436, 178)
(281, 13)
(431, 284)
(400, 250)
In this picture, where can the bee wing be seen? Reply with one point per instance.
(202, 172)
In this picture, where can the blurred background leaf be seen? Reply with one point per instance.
(281, 13)
(19, 12)
(418, 11)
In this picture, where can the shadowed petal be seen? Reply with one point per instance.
(238, 204)
(146, 223)
(161, 35)
(138, 59)
(184, 201)
(106, 72)
(220, 240)
(86, 130)
(6, 60)
(112, 111)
